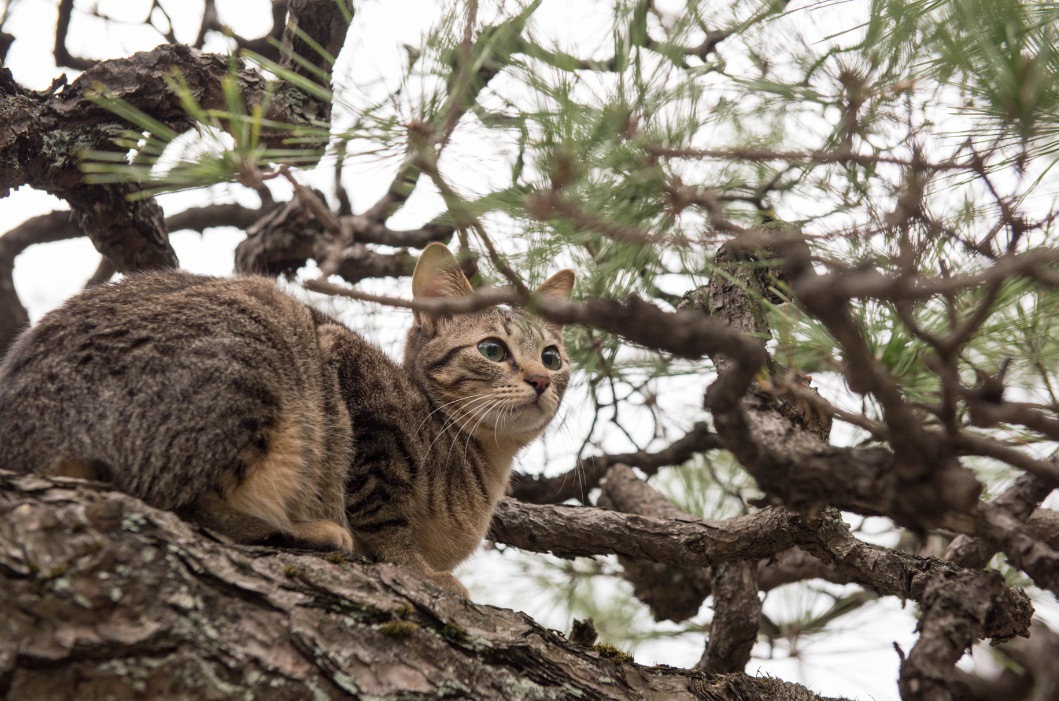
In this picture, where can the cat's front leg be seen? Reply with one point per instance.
(396, 543)
(214, 513)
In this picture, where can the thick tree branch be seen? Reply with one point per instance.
(794, 565)
(579, 531)
(736, 611)
(921, 457)
(672, 592)
(111, 597)
(286, 239)
(783, 448)
(676, 593)
(957, 608)
(571, 531)
(1019, 501)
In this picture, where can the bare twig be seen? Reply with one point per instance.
(575, 484)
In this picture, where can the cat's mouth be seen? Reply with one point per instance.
(534, 414)
(519, 417)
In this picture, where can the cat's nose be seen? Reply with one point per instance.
(539, 383)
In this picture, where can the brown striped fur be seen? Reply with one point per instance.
(249, 412)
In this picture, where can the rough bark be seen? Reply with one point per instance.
(677, 593)
(106, 597)
(736, 610)
(956, 610)
(780, 444)
(571, 531)
(926, 481)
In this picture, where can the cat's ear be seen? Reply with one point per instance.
(559, 285)
(437, 275)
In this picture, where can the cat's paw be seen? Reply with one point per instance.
(447, 581)
(323, 535)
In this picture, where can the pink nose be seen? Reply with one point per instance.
(539, 382)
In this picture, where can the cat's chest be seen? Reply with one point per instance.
(445, 543)
(451, 526)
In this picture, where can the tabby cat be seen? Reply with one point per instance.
(247, 411)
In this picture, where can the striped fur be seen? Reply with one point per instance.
(247, 411)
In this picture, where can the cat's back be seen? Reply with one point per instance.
(156, 333)
(155, 310)
(159, 378)
(150, 309)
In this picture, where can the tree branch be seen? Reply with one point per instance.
(578, 531)
(671, 591)
(111, 598)
(578, 482)
(289, 236)
(46, 134)
(957, 609)
(1019, 500)
(736, 612)
(46, 228)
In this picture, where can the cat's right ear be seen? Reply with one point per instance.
(437, 276)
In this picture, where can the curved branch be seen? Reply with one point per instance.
(214, 215)
(46, 228)
(578, 482)
(63, 57)
(1019, 502)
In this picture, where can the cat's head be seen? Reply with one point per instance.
(501, 372)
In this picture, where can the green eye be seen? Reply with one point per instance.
(551, 359)
(493, 350)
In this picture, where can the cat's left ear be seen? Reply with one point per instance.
(559, 285)
(437, 276)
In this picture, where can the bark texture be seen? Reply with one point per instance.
(108, 598)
